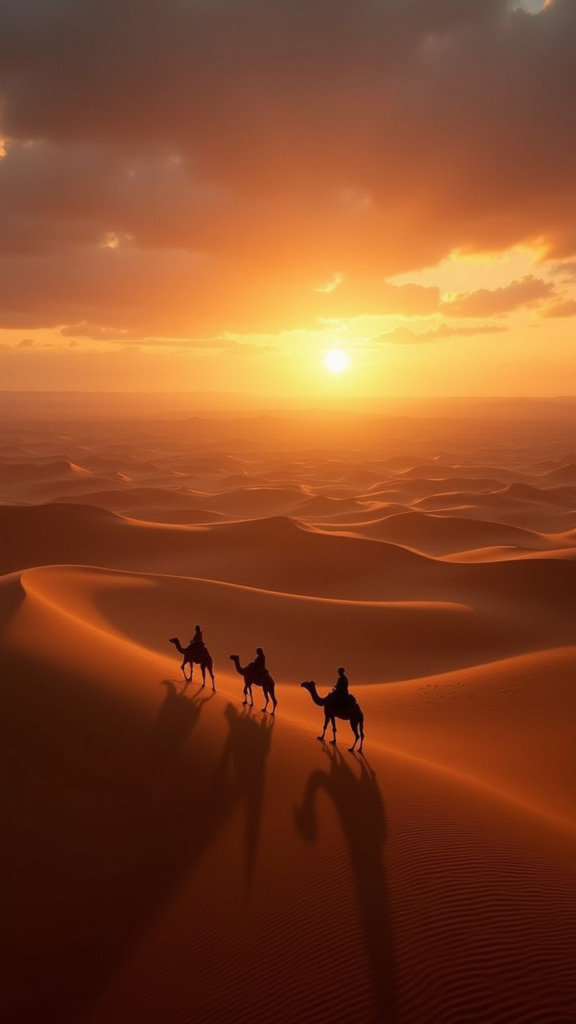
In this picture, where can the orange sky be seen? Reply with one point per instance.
(211, 195)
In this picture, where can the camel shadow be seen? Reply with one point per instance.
(177, 717)
(358, 801)
(244, 754)
(120, 824)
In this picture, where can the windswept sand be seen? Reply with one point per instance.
(173, 856)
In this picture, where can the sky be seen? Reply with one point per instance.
(211, 195)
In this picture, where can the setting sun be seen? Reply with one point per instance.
(336, 361)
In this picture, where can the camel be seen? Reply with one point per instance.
(336, 707)
(191, 658)
(251, 679)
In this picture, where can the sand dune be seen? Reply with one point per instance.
(504, 508)
(562, 475)
(174, 856)
(127, 756)
(125, 499)
(439, 535)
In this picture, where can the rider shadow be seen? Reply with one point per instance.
(245, 752)
(177, 717)
(362, 816)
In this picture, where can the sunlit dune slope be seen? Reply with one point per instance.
(304, 637)
(440, 717)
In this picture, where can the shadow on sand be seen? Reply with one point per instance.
(176, 719)
(358, 801)
(244, 756)
(101, 830)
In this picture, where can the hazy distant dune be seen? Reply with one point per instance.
(181, 517)
(127, 498)
(563, 475)
(444, 535)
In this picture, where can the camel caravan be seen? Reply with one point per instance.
(338, 703)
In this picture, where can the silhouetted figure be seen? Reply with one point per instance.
(339, 705)
(256, 674)
(197, 641)
(192, 655)
(259, 662)
(341, 685)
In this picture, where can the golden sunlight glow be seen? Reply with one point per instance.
(336, 361)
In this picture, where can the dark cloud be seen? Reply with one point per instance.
(272, 143)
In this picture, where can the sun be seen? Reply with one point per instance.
(336, 360)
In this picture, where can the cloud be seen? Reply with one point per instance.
(240, 154)
(399, 336)
(377, 297)
(528, 291)
(97, 333)
(565, 271)
(25, 343)
(565, 307)
(406, 336)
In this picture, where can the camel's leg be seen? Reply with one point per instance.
(326, 720)
(265, 708)
(183, 669)
(274, 703)
(356, 737)
(245, 701)
(211, 671)
(361, 736)
(333, 740)
(203, 670)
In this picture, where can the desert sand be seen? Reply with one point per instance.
(172, 855)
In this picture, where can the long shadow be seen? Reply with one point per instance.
(245, 753)
(360, 807)
(176, 719)
(99, 832)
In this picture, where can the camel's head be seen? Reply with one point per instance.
(309, 685)
(234, 657)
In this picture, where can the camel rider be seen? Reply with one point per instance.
(260, 662)
(197, 641)
(341, 685)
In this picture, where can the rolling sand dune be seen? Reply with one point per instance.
(411, 489)
(124, 499)
(439, 535)
(503, 508)
(561, 475)
(284, 556)
(171, 855)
